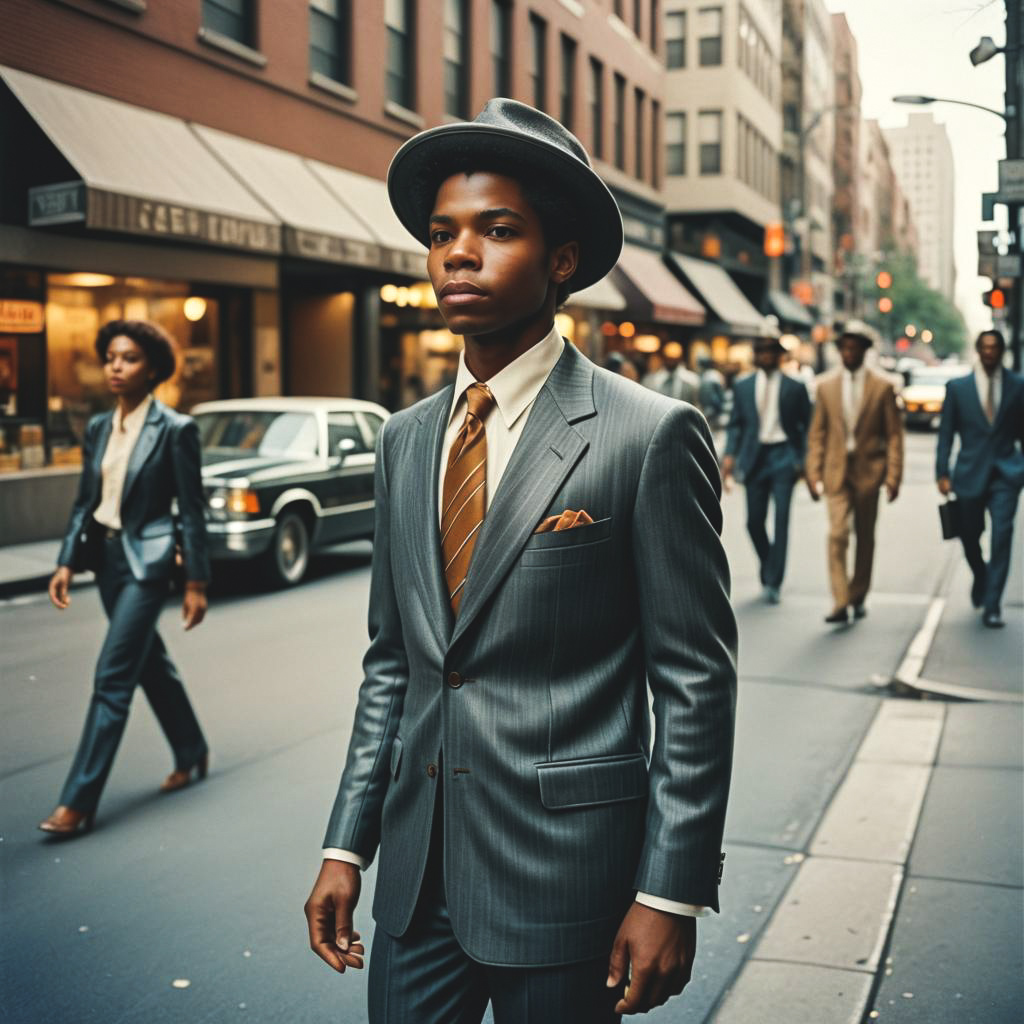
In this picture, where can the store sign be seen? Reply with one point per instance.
(1008, 265)
(1011, 181)
(56, 204)
(314, 245)
(19, 316)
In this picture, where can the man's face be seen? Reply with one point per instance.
(488, 260)
(851, 351)
(990, 352)
(767, 357)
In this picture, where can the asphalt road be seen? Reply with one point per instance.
(188, 908)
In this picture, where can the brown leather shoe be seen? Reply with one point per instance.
(66, 821)
(180, 779)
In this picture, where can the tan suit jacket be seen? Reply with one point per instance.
(877, 456)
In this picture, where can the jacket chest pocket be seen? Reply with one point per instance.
(567, 547)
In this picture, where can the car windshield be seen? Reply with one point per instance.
(258, 432)
(936, 377)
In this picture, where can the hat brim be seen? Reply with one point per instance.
(427, 159)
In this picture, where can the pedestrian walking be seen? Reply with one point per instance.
(986, 410)
(547, 542)
(855, 446)
(672, 378)
(622, 365)
(766, 440)
(136, 461)
(711, 396)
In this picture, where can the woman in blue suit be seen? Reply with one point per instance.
(137, 459)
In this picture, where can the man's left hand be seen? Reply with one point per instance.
(655, 950)
(893, 491)
(193, 609)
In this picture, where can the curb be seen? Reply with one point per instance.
(38, 584)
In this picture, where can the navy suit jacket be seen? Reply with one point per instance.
(745, 423)
(986, 449)
(164, 465)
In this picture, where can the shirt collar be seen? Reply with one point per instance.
(515, 387)
(134, 419)
(979, 372)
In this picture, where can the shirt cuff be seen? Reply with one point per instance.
(670, 906)
(332, 853)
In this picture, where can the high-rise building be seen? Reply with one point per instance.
(923, 161)
(723, 132)
(845, 165)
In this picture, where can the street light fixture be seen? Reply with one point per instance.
(923, 101)
(985, 50)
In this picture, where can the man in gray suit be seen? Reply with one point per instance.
(547, 546)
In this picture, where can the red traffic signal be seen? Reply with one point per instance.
(996, 298)
(883, 279)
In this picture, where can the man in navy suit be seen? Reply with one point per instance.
(986, 408)
(766, 442)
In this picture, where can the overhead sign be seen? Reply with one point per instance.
(1011, 181)
(1008, 265)
(987, 242)
(20, 316)
(987, 266)
(56, 204)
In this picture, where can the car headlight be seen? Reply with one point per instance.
(233, 502)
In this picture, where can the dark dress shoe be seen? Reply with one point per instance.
(859, 611)
(978, 590)
(179, 779)
(840, 615)
(66, 822)
(993, 620)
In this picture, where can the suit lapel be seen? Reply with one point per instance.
(1004, 398)
(102, 439)
(546, 453)
(148, 437)
(426, 546)
(871, 383)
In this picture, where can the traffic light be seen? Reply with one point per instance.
(885, 304)
(883, 279)
(996, 298)
(774, 239)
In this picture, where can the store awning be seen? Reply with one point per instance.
(789, 310)
(600, 295)
(647, 282)
(316, 224)
(138, 171)
(723, 297)
(367, 199)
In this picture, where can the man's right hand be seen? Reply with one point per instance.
(60, 584)
(728, 465)
(329, 912)
(945, 485)
(816, 489)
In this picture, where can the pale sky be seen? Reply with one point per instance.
(921, 47)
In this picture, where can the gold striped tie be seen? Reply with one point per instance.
(464, 495)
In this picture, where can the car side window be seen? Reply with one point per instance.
(371, 424)
(342, 426)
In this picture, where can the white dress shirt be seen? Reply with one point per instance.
(766, 394)
(853, 396)
(981, 380)
(515, 389)
(124, 433)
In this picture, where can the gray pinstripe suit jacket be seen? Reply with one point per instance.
(556, 808)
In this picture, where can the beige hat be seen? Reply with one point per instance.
(862, 330)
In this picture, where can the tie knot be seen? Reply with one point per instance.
(480, 400)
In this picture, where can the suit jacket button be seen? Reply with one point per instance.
(431, 770)
(454, 680)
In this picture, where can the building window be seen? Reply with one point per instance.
(597, 108)
(675, 149)
(539, 60)
(398, 17)
(456, 57)
(619, 127)
(655, 15)
(330, 39)
(567, 95)
(501, 47)
(675, 39)
(655, 143)
(709, 36)
(638, 18)
(709, 139)
(231, 18)
(638, 131)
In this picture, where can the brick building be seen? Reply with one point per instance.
(218, 166)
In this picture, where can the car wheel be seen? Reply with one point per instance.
(288, 556)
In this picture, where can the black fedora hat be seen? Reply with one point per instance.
(508, 137)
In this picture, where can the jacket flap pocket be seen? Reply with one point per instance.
(592, 780)
(157, 528)
(396, 756)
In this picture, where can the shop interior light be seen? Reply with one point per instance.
(626, 329)
(389, 292)
(83, 280)
(790, 342)
(608, 329)
(672, 350)
(927, 337)
(910, 330)
(646, 343)
(566, 326)
(194, 308)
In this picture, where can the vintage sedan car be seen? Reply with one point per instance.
(925, 391)
(284, 477)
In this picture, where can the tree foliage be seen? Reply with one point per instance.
(914, 302)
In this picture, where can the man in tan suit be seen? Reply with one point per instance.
(854, 447)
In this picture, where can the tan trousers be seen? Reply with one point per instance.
(863, 509)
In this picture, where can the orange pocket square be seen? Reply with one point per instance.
(566, 521)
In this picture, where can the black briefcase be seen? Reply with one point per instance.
(949, 517)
